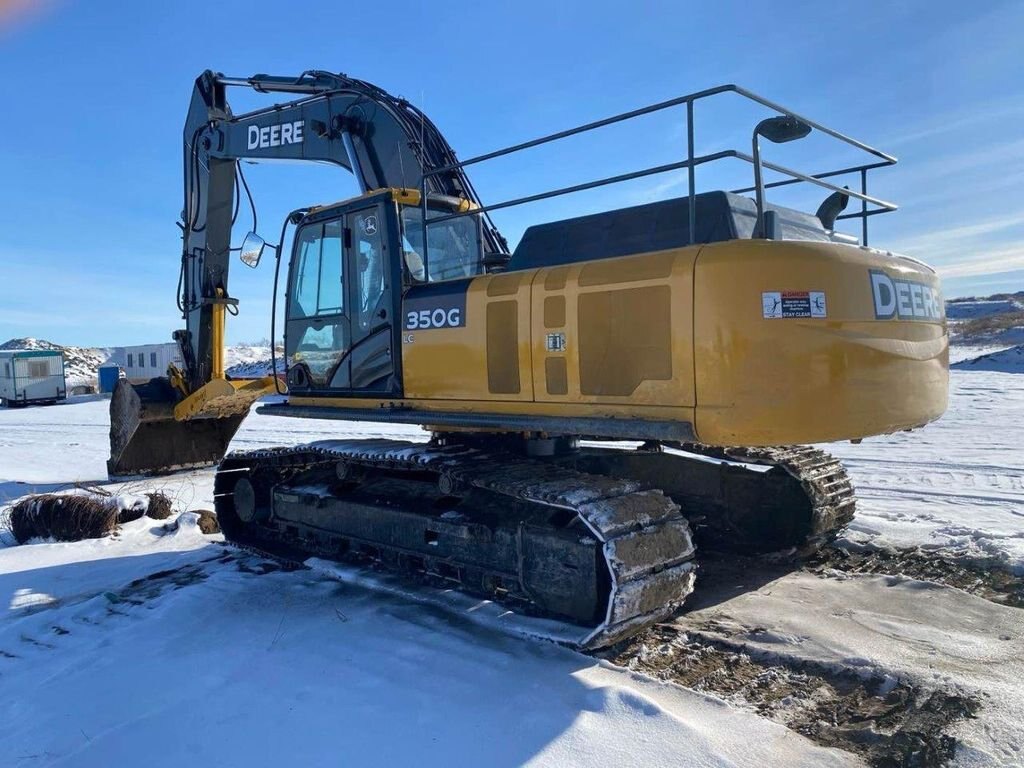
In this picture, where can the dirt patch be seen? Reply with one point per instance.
(156, 507)
(991, 581)
(885, 721)
(207, 521)
(159, 506)
(131, 513)
(230, 406)
(70, 517)
(73, 517)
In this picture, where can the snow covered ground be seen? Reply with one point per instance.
(1009, 360)
(935, 637)
(163, 646)
(957, 484)
(111, 643)
(215, 664)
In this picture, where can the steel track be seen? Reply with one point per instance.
(644, 540)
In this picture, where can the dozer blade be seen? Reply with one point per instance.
(150, 432)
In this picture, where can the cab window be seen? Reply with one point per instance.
(453, 247)
(317, 280)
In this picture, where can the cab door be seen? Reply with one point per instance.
(339, 332)
(371, 292)
(318, 335)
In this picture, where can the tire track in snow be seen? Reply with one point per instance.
(884, 720)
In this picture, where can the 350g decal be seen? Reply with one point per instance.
(427, 307)
(433, 318)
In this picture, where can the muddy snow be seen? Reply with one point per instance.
(107, 645)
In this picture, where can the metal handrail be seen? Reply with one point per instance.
(690, 163)
(590, 185)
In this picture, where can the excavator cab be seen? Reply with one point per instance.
(351, 265)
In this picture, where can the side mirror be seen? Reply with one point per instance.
(252, 249)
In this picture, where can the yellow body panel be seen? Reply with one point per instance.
(686, 335)
(656, 291)
(452, 363)
(848, 375)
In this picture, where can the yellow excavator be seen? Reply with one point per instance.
(618, 388)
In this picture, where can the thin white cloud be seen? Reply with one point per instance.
(966, 116)
(942, 197)
(999, 260)
(67, 303)
(660, 189)
(978, 160)
(952, 239)
(1009, 282)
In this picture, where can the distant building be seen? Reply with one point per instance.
(146, 361)
(31, 376)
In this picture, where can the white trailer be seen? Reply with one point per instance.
(146, 361)
(30, 376)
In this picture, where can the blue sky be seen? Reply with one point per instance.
(95, 95)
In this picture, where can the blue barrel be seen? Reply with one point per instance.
(108, 375)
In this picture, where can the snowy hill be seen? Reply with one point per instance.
(1005, 361)
(80, 363)
(251, 361)
(968, 309)
(1002, 329)
(992, 321)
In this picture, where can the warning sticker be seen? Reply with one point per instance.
(776, 304)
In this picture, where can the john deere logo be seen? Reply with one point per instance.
(905, 299)
(277, 135)
(370, 225)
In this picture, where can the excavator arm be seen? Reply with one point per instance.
(382, 140)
